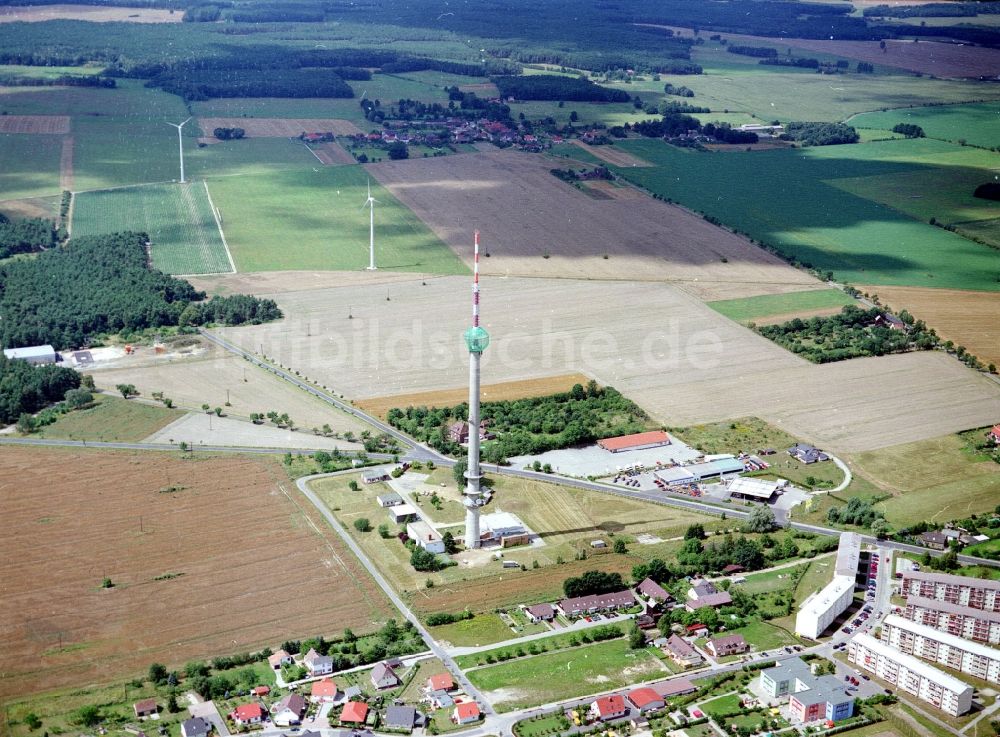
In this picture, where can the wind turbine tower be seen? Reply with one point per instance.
(476, 340)
(180, 143)
(370, 203)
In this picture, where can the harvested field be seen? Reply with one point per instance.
(280, 127)
(92, 13)
(34, 207)
(679, 359)
(526, 214)
(277, 282)
(201, 428)
(967, 318)
(610, 191)
(217, 376)
(927, 57)
(46, 124)
(379, 406)
(74, 517)
(66, 165)
(611, 154)
(331, 154)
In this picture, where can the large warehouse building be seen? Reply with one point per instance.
(821, 609)
(37, 354)
(911, 675)
(972, 658)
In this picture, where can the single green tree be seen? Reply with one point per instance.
(126, 390)
(363, 524)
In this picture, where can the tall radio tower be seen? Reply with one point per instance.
(476, 339)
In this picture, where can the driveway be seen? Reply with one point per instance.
(207, 710)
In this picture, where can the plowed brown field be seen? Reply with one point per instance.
(48, 124)
(968, 318)
(490, 393)
(251, 565)
(331, 154)
(612, 155)
(280, 127)
(536, 225)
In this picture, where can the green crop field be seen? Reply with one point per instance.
(978, 124)
(815, 222)
(312, 219)
(129, 99)
(178, 219)
(540, 679)
(752, 308)
(20, 70)
(29, 165)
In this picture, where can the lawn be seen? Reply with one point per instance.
(768, 305)
(980, 549)
(541, 726)
(555, 676)
(111, 419)
(814, 221)
(177, 217)
(552, 643)
(975, 123)
(769, 581)
(932, 480)
(765, 636)
(313, 219)
(722, 705)
(29, 165)
(746, 433)
(483, 629)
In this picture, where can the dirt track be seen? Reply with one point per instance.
(680, 360)
(45, 124)
(280, 127)
(967, 318)
(240, 565)
(66, 165)
(526, 214)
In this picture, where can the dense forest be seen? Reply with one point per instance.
(203, 85)
(25, 236)
(27, 388)
(820, 134)
(527, 426)
(555, 87)
(101, 284)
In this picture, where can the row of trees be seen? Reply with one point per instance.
(97, 285)
(820, 134)
(26, 389)
(25, 235)
(554, 87)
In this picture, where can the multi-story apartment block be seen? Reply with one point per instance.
(973, 658)
(974, 593)
(969, 624)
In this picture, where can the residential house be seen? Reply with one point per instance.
(807, 453)
(260, 691)
(383, 676)
(727, 645)
(459, 432)
(196, 727)
(279, 659)
(994, 434)
(245, 714)
(316, 664)
(466, 713)
(713, 600)
(935, 540)
(581, 605)
(890, 321)
(609, 707)
(700, 587)
(645, 622)
(541, 613)
(289, 710)
(680, 652)
(400, 718)
(374, 476)
(440, 700)
(441, 682)
(354, 712)
(645, 699)
(324, 691)
(145, 708)
(653, 591)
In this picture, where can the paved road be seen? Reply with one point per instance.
(432, 644)
(60, 443)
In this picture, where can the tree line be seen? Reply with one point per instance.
(25, 235)
(102, 284)
(25, 388)
(554, 87)
(820, 134)
(291, 83)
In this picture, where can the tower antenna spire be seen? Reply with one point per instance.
(476, 340)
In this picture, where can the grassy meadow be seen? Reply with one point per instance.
(767, 305)
(978, 124)
(177, 217)
(110, 419)
(796, 207)
(315, 215)
(29, 165)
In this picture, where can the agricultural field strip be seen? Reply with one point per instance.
(218, 223)
(280, 127)
(40, 124)
(681, 361)
(526, 214)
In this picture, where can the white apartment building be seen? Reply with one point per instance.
(969, 624)
(974, 593)
(821, 609)
(973, 658)
(911, 675)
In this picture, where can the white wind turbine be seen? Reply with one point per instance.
(370, 203)
(180, 144)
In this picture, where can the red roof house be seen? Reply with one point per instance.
(440, 682)
(466, 712)
(260, 690)
(994, 434)
(354, 712)
(145, 708)
(645, 699)
(609, 707)
(636, 441)
(247, 714)
(323, 690)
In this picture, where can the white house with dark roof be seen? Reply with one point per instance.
(316, 664)
(383, 676)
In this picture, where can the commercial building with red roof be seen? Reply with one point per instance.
(636, 441)
(645, 699)
(354, 712)
(609, 707)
